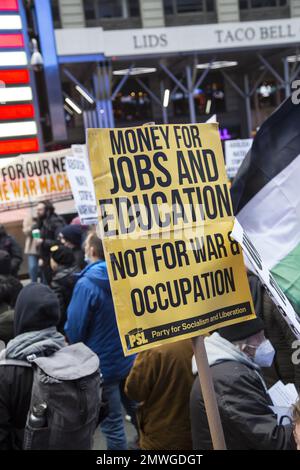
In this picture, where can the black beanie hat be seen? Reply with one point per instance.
(242, 330)
(5, 264)
(73, 234)
(62, 255)
(37, 308)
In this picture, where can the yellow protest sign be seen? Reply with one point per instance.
(166, 216)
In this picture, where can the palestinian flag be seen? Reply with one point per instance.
(266, 197)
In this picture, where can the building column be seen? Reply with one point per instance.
(295, 8)
(152, 13)
(228, 11)
(71, 13)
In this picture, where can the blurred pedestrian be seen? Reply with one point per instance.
(62, 263)
(161, 380)
(31, 248)
(235, 356)
(10, 288)
(72, 237)
(9, 244)
(49, 225)
(91, 319)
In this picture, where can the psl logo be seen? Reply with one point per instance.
(135, 338)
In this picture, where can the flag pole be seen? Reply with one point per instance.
(208, 393)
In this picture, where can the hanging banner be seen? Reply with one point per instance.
(28, 179)
(80, 178)
(235, 152)
(166, 216)
(274, 291)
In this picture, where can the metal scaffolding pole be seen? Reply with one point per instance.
(248, 105)
(190, 93)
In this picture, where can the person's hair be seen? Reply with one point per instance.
(48, 206)
(10, 288)
(296, 412)
(93, 241)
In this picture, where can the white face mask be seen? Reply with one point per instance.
(87, 259)
(264, 354)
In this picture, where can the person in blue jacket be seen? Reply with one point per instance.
(91, 319)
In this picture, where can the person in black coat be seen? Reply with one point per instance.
(35, 320)
(11, 246)
(72, 237)
(235, 355)
(49, 224)
(62, 262)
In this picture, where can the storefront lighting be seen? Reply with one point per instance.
(293, 58)
(69, 110)
(13, 58)
(14, 129)
(23, 93)
(166, 98)
(135, 71)
(220, 64)
(84, 94)
(10, 22)
(208, 106)
(73, 105)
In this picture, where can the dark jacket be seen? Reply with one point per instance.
(79, 258)
(244, 405)
(91, 319)
(6, 322)
(49, 228)
(161, 380)
(62, 284)
(15, 396)
(11, 246)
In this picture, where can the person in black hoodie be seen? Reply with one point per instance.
(35, 321)
(63, 265)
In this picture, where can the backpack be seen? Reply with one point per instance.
(65, 399)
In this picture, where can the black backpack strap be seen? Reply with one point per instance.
(15, 362)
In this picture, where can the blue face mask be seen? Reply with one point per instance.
(264, 354)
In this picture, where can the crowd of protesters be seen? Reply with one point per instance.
(69, 301)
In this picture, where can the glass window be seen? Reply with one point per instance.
(169, 7)
(109, 9)
(89, 9)
(210, 5)
(55, 13)
(95, 9)
(133, 8)
(247, 4)
(188, 6)
(173, 7)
